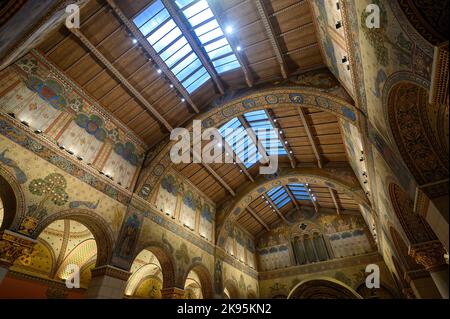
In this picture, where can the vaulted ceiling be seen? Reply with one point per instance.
(274, 40)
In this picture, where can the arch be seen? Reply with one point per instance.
(165, 260)
(231, 287)
(323, 288)
(271, 97)
(205, 279)
(417, 131)
(13, 200)
(98, 226)
(415, 227)
(339, 179)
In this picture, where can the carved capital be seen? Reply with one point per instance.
(13, 246)
(430, 255)
(172, 293)
(110, 271)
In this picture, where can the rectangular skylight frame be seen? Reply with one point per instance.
(265, 132)
(279, 196)
(208, 31)
(169, 42)
(240, 142)
(300, 192)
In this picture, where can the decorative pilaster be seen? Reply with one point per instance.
(172, 293)
(431, 255)
(108, 282)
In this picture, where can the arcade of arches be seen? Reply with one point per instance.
(91, 205)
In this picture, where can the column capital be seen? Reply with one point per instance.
(172, 293)
(110, 271)
(429, 254)
(416, 274)
(13, 246)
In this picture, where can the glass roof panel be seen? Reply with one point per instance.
(166, 38)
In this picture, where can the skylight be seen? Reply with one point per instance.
(210, 34)
(242, 145)
(265, 132)
(299, 191)
(166, 38)
(279, 196)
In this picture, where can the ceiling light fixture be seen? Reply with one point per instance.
(229, 29)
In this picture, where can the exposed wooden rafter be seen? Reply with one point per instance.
(242, 167)
(274, 208)
(260, 147)
(335, 201)
(213, 173)
(283, 141)
(302, 114)
(182, 24)
(271, 34)
(316, 206)
(152, 53)
(255, 215)
(294, 200)
(232, 42)
(121, 78)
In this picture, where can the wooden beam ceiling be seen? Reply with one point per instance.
(294, 200)
(247, 73)
(153, 54)
(335, 201)
(255, 215)
(271, 34)
(283, 141)
(307, 127)
(242, 167)
(182, 23)
(252, 135)
(275, 209)
(120, 78)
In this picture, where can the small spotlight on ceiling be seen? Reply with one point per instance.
(38, 131)
(159, 71)
(134, 41)
(239, 49)
(219, 144)
(12, 115)
(183, 100)
(25, 123)
(229, 29)
(171, 86)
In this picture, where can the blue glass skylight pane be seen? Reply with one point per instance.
(224, 60)
(201, 17)
(194, 86)
(173, 49)
(206, 28)
(162, 31)
(165, 41)
(196, 8)
(180, 66)
(184, 51)
(215, 45)
(194, 76)
(148, 13)
(273, 190)
(211, 35)
(191, 68)
(183, 3)
(220, 52)
(228, 67)
(283, 203)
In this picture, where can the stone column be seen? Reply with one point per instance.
(431, 255)
(421, 284)
(13, 246)
(108, 282)
(172, 293)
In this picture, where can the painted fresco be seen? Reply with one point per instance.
(41, 98)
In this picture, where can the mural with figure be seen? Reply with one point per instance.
(36, 94)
